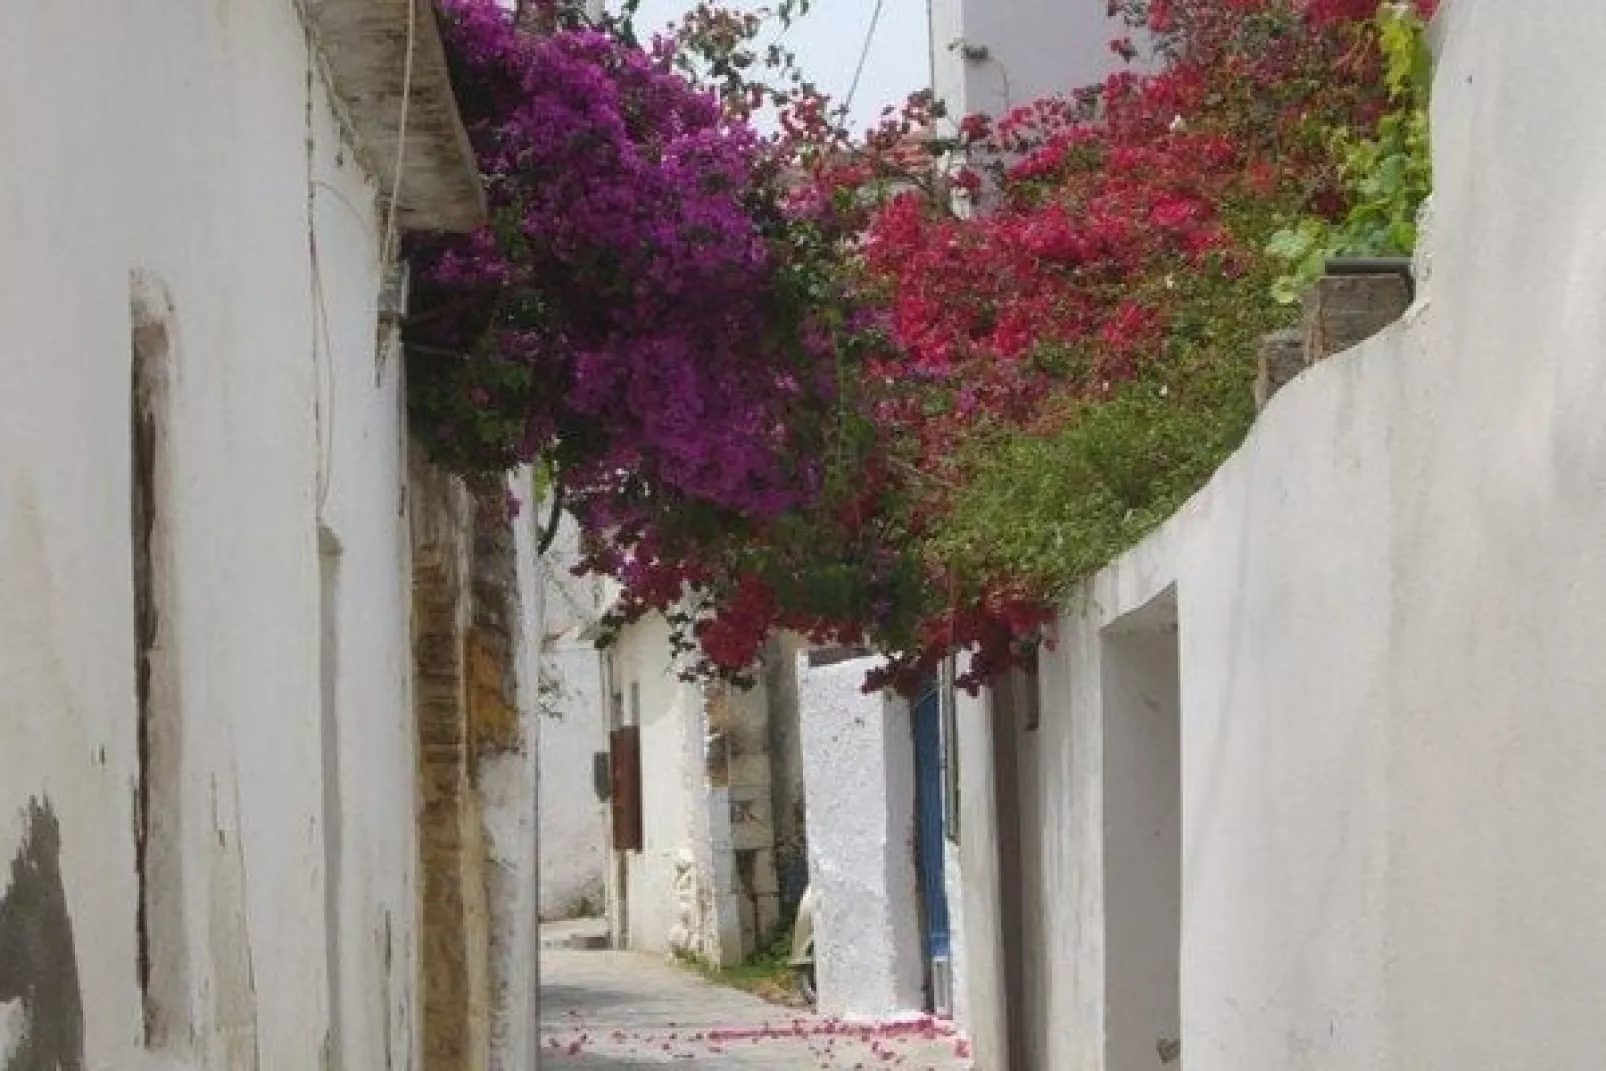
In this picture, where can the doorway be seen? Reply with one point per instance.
(1140, 668)
(936, 939)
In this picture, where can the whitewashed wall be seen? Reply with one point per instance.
(1389, 605)
(859, 778)
(171, 140)
(1018, 51)
(979, 1010)
(674, 795)
(574, 831)
(370, 782)
(705, 882)
(509, 790)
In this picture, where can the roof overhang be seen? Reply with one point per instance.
(367, 45)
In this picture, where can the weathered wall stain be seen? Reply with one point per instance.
(38, 964)
(234, 997)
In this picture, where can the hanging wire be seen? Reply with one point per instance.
(864, 55)
(387, 245)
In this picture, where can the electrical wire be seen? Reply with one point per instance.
(864, 55)
(401, 137)
(322, 366)
(324, 404)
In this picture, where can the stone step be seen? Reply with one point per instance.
(575, 934)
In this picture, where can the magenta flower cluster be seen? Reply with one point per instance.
(627, 311)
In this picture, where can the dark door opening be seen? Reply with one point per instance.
(929, 805)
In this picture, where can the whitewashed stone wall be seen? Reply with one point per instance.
(668, 883)
(509, 795)
(859, 776)
(705, 883)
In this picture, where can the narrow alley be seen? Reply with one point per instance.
(618, 1011)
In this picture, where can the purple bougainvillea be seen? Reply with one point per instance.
(625, 313)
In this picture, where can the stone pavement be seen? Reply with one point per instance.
(623, 1011)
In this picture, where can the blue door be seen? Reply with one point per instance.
(928, 820)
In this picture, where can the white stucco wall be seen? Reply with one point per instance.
(1033, 49)
(171, 140)
(859, 778)
(675, 820)
(574, 820)
(978, 990)
(574, 830)
(1389, 605)
(372, 864)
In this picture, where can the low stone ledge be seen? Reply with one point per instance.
(1340, 311)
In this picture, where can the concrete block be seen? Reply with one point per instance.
(749, 922)
(716, 759)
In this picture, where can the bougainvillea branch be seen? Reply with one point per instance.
(785, 384)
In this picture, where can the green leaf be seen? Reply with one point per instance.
(1402, 235)
(1291, 244)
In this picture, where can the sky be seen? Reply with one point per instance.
(829, 39)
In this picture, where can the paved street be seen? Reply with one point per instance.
(621, 1011)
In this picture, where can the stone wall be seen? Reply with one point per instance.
(1339, 312)
(506, 639)
(452, 853)
(742, 856)
(788, 807)
(706, 882)
(477, 776)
